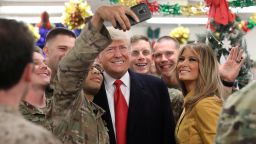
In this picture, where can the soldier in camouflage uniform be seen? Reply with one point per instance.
(34, 106)
(177, 100)
(165, 53)
(73, 118)
(237, 123)
(16, 44)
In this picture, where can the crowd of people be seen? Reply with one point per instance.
(105, 87)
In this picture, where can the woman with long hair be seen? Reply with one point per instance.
(198, 74)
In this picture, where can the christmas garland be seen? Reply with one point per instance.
(177, 9)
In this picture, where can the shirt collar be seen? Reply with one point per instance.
(109, 81)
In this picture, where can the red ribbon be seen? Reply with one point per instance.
(219, 12)
(153, 6)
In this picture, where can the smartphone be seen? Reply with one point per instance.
(142, 11)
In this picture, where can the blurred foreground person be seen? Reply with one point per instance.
(238, 118)
(16, 68)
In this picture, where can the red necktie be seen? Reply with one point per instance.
(121, 111)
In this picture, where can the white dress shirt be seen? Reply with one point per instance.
(110, 89)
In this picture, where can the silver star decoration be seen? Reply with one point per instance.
(226, 43)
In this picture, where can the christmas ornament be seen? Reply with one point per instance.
(75, 12)
(226, 44)
(181, 34)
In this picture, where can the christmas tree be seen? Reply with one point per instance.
(222, 40)
(223, 34)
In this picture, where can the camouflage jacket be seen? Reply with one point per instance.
(237, 123)
(32, 113)
(15, 129)
(177, 100)
(73, 118)
(36, 115)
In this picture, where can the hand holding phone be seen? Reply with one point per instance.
(142, 11)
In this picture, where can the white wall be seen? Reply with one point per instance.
(195, 29)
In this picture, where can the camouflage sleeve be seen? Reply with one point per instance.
(73, 67)
(177, 100)
(237, 123)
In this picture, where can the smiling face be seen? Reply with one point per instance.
(115, 58)
(56, 48)
(42, 73)
(165, 57)
(188, 67)
(94, 79)
(141, 56)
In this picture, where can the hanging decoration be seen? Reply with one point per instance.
(44, 26)
(153, 34)
(34, 31)
(248, 25)
(220, 12)
(181, 34)
(74, 13)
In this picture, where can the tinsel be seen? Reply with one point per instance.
(193, 10)
(75, 12)
(177, 9)
(128, 3)
(181, 34)
(170, 9)
(242, 3)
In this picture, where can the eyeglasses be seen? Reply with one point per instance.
(97, 67)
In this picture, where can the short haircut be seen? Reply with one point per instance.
(177, 44)
(59, 31)
(137, 38)
(16, 48)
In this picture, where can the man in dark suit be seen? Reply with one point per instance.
(149, 118)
